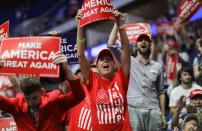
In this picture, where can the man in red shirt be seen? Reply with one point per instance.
(36, 110)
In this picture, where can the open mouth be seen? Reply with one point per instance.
(143, 46)
(106, 66)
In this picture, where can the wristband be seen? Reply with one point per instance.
(163, 117)
(79, 41)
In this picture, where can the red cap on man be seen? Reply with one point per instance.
(196, 92)
(143, 36)
(172, 44)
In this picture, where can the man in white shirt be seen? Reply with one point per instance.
(185, 76)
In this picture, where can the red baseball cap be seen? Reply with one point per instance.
(195, 92)
(103, 53)
(140, 37)
(172, 43)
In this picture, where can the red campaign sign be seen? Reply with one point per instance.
(134, 30)
(96, 10)
(171, 66)
(4, 30)
(165, 28)
(30, 56)
(186, 9)
(8, 124)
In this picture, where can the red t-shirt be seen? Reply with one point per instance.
(110, 105)
(80, 115)
(53, 106)
(109, 102)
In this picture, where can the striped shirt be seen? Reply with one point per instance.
(145, 84)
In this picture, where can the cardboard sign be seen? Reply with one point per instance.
(70, 50)
(134, 30)
(30, 56)
(165, 28)
(96, 10)
(4, 30)
(171, 66)
(186, 9)
(8, 124)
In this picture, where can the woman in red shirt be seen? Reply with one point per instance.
(107, 91)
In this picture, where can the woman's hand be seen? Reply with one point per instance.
(79, 16)
(120, 18)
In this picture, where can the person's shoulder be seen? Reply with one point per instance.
(53, 93)
(133, 58)
(51, 96)
(195, 61)
(176, 90)
(196, 86)
(156, 63)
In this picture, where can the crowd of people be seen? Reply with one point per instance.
(135, 87)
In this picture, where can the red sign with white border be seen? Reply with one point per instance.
(165, 28)
(30, 56)
(95, 10)
(134, 30)
(8, 124)
(186, 9)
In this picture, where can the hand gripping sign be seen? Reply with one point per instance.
(30, 56)
(134, 30)
(8, 124)
(96, 10)
(68, 46)
(4, 30)
(186, 9)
